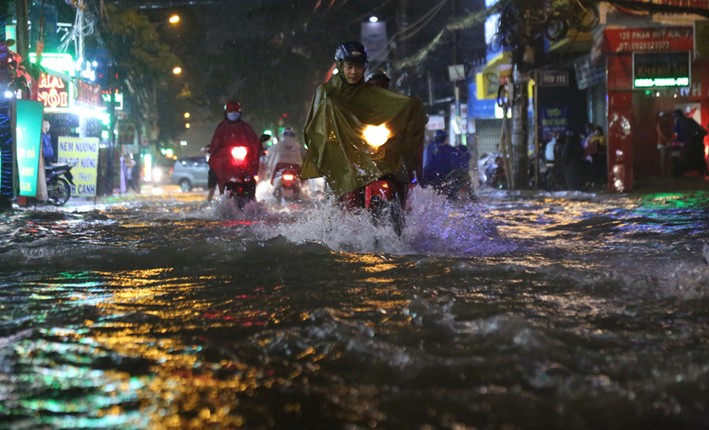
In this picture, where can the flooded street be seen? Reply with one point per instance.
(518, 311)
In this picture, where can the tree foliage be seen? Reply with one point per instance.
(141, 61)
(271, 54)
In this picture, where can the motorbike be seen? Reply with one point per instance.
(384, 198)
(457, 186)
(493, 169)
(551, 176)
(59, 182)
(240, 185)
(286, 181)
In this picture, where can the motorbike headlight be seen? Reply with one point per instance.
(157, 174)
(376, 135)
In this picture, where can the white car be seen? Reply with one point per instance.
(190, 173)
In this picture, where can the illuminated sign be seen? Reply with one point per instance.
(89, 94)
(28, 130)
(119, 99)
(653, 70)
(53, 92)
(63, 63)
(83, 152)
(656, 39)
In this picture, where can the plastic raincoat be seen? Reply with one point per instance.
(227, 135)
(336, 149)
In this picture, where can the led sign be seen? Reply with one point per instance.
(63, 63)
(53, 92)
(661, 70)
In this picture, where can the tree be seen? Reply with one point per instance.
(141, 63)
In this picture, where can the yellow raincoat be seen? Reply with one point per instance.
(333, 135)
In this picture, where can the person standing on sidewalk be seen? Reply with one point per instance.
(692, 135)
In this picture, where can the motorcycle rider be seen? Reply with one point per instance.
(287, 152)
(339, 111)
(232, 129)
(445, 167)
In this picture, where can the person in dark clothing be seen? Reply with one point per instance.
(691, 134)
(47, 148)
(572, 158)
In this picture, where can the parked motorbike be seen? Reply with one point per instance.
(286, 181)
(493, 169)
(240, 186)
(59, 182)
(551, 176)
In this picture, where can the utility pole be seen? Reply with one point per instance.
(22, 31)
(520, 127)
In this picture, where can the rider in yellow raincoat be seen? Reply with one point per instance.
(339, 112)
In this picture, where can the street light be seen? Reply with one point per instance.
(174, 19)
(177, 70)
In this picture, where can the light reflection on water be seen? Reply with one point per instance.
(538, 311)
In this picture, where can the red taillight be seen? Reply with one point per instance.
(288, 177)
(239, 153)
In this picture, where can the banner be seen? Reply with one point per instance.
(83, 153)
(28, 141)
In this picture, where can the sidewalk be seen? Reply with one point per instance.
(669, 184)
(148, 192)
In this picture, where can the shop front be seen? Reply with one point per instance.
(650, 68)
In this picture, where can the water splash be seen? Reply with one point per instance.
(433, 226)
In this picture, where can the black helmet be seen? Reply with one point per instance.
(354, 52)
(379, 75)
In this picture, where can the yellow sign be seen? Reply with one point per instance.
(83, 153)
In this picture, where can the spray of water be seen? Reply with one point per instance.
(433, 226)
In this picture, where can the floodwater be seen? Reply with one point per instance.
(518, 311)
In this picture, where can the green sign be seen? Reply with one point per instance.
(661, 70)
(28, 138)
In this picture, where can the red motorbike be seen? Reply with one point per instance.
(234, 172)
(385, 197)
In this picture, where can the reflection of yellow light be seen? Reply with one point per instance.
(376, 135)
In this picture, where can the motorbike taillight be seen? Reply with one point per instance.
(288, 177)
(239, 153)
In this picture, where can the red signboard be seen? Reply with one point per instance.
(53, 91)
(89, 94)
(655, 39)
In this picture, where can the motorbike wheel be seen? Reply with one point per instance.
(390, 212)
(242, 201)
(59, 191)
